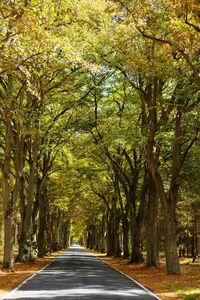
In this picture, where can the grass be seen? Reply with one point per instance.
(185, 292)
(190, 294)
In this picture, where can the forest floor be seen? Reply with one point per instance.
(168, 287)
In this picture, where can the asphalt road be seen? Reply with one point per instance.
(78, 274)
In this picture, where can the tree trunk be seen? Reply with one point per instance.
(8, 205)
(137, 220)
(66, 234)
(49, 232)
(169, 204)
(123, 214)
(8, 243)
(110, 235)
(88, 242)
(102, 233)
(136, 253)
(57, 230)
(172, 261)
(42, 231)
(27, 247)
(116, 220)
(1, 226)
(152, 245)
(125, 229)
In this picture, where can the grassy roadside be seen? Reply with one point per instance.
(168, 287)
(9, 280)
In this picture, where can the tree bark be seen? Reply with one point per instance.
(66, 234)
(115, 223)
(27, 247)
(102, 235)
(8, 205)
(152, 243)
(125, 229)
(110, 235)
(123, 214)
(136, 252)
(137, 219)
(42, 230)
(168, 203)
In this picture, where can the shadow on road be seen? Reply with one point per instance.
(78, 274)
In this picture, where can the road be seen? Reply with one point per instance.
(78, 274)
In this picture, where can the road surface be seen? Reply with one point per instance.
(78, 274)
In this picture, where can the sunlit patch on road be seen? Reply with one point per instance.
(78, 274)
